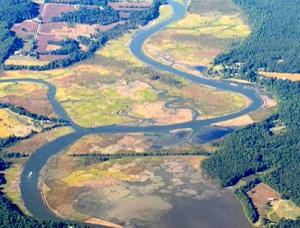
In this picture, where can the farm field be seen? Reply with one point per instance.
(25, 61)
(192, 43)
(44, 35)
(263, 197)
(270, 205)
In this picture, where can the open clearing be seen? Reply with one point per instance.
(262, 196)
(284, 209)
(283, 76)
(270, 205)
(12, 124)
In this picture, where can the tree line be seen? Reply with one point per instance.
(80, 2)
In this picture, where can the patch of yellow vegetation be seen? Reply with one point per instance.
(119, 50)
(25, 61)
(236, 122)
(284, 209)
(283, 76)
(94, 174)
(37, 74)
(59, 132)
(196, 40)
(103, 104)
(220, 26)
(13, 124)
(91, 69)
(18, 88)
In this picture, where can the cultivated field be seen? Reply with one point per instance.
(38, 32)
(25, 61)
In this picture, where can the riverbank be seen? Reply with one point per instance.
(30, 175)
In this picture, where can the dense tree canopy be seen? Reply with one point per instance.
(274, 44)
(90, 16)
(256, 148)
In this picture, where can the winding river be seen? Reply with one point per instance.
(30, 176)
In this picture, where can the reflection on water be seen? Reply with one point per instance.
(209, 134)
(201, 68)
(161, 192)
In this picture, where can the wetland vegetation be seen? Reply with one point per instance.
(102, 168)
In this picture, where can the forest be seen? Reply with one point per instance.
(90, 16)
(274, 43)
(256, 149)
(13, 11)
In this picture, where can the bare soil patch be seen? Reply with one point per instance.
(261, 195)
(54, 10)
(162, 115)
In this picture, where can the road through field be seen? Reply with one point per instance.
(30, 176)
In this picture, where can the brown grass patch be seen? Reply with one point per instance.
(236, 122)
(261, 195)
(110, 144)
(42, 41)
(26, 27)
(283, 76)
(32, 97)
(102, 222)
(162, 115)
(54, 10)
